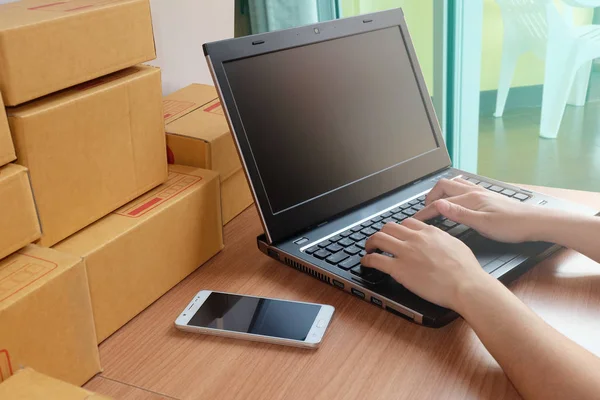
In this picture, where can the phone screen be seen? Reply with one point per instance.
(276, 318)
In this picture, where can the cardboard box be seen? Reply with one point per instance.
(46, 46)
(7, 150)
(46, 316)
(28, 384)
(139, 252)
(19, 223)
(198, 136)
(92, 148)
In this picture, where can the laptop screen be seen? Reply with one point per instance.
(324, 116)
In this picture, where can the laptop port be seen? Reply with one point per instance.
(358, 293)
(273, 254)
(376, 301)
(338, 284)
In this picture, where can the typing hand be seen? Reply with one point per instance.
(427, 261)
(492, 215)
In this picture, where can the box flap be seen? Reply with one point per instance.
(7, 150)
(19, 224)
(180, 181)
(186, 100)
(28, 384)
(30, 268)
(30, 12)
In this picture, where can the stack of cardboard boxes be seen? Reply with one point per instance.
(113, 228)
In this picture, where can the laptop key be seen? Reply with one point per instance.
(496, 189)
(324, 244)
(422, 198)
(352, 250)
(386, 214)
(388, 220)
(346, 233)
(458, 230)
(346, 242)
(362, 253)
(378, 226)
(349, 263)
(334, 248)
(418, 207)
(361, 244)
(335, 238)
(399, 217)
(521, 196)
(311, 250)
(473, 181)
(368, 231)
(357, 236)
(356, 228)
(449, 224)
(413, 202)
(508, 192)
(405, 206)
(322, 254)
(410, 212)
(366, 224)
(376, 219)
(484, 185)
(337, 258)
(395, 210)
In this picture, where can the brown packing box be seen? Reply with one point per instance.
(27, 384)
(19, 223)
(46, 45)
(139, 252)
(7, 150)
(92, 148)
(198, 136)
(46, 316)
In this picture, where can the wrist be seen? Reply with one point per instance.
(473, 291)
(540, 223)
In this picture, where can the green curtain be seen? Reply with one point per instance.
(272, 15)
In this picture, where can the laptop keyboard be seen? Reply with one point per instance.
(346, 248)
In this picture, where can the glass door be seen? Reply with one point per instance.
(525, 91)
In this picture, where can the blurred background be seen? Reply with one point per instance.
(514, 82)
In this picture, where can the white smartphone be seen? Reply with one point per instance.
(260, 319)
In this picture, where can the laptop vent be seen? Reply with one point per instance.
(306, 270)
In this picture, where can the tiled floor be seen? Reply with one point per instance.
(510, 148)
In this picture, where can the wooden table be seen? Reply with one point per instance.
(367, 353)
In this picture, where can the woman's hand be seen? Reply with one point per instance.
(427, 261)
(491, 214)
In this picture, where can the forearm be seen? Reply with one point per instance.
(578, 232)
(540, 362)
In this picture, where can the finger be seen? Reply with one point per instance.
(383, 242)
(453, 210)
(461, 214)
(446, 188)
(431, 211)
(414, 224)
(380, 262)
(470, 200)
(464, 181)
(398, 231)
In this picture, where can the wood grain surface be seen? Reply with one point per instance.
(367, 353)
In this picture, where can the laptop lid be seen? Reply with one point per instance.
(327, 117)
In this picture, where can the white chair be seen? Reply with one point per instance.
(568, 51)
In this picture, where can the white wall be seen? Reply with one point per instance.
(180, 29)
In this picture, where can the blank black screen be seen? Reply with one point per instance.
(323, 116)
(266, 317)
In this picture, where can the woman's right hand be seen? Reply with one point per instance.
(491, 214)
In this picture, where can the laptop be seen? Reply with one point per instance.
(338, 136)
